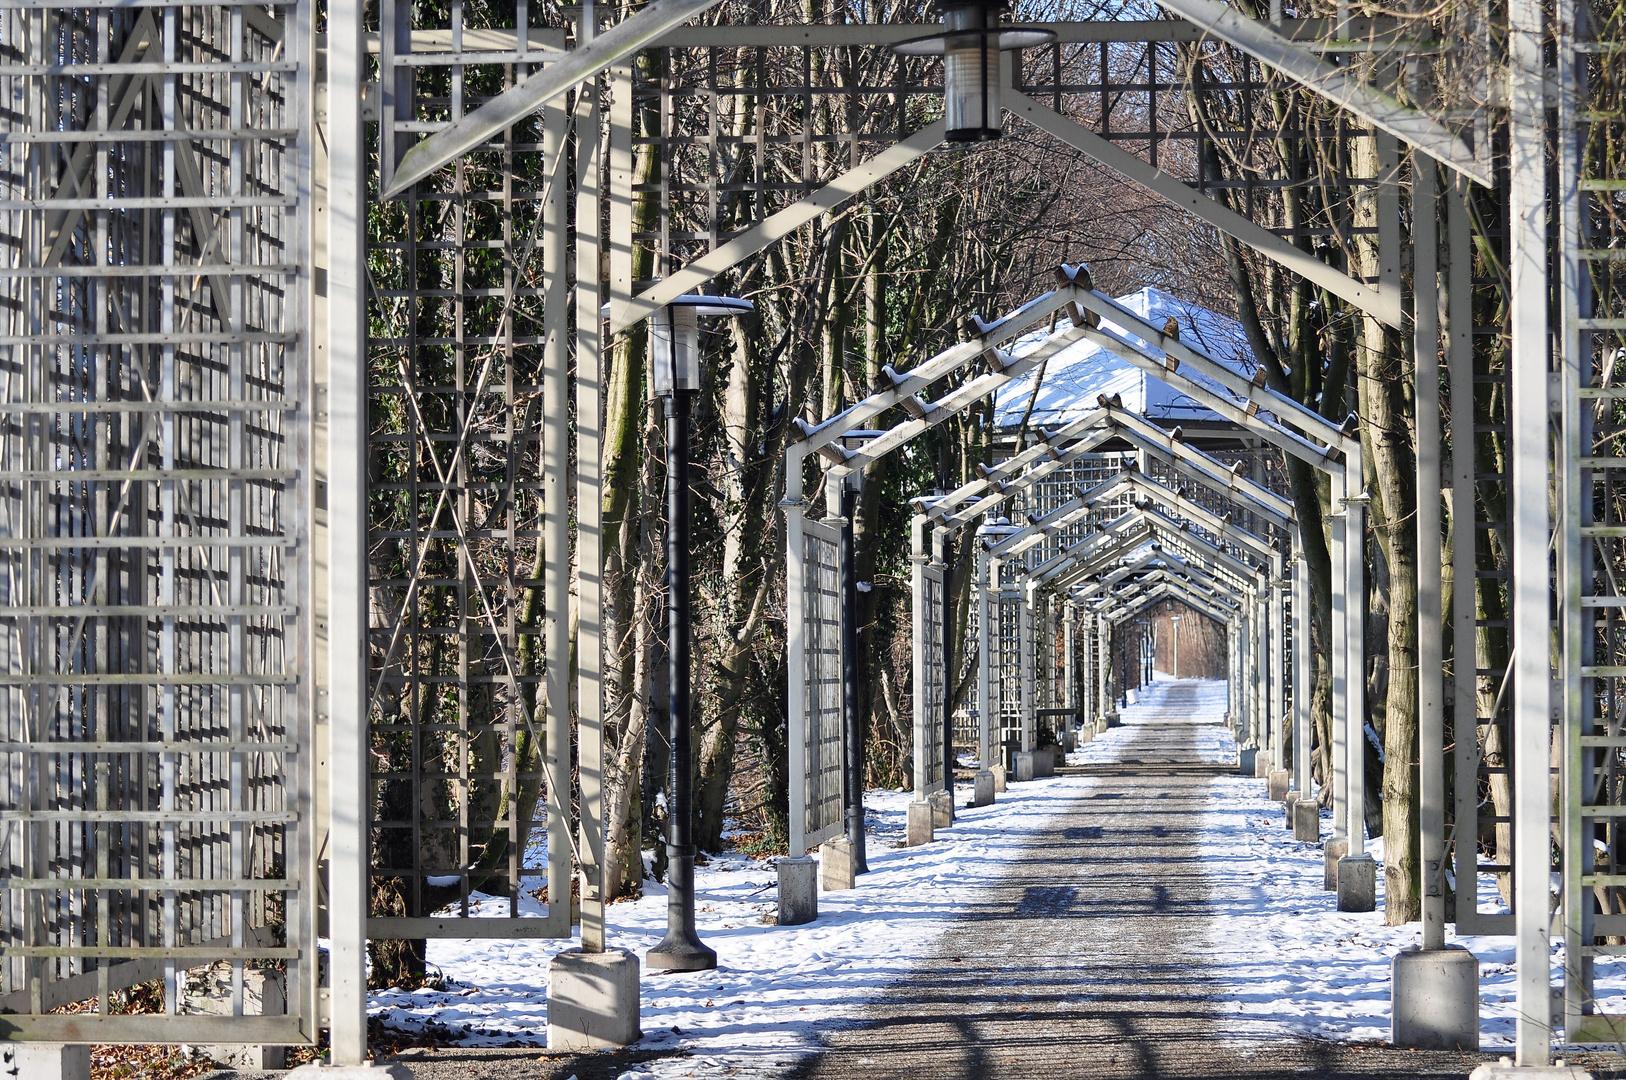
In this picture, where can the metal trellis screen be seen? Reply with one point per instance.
(821, 742)
(930, 675)
(154, 517)
(1008, 667)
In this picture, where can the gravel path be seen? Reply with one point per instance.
(1087, 960)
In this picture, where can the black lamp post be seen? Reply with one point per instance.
(675, 375)
(970, 44)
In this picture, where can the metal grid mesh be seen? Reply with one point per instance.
(154, 517)
(1593, 289)
(933, 690)
(823, 704)
(455, 487)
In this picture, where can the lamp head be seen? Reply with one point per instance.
(674, 339)
(970, 44)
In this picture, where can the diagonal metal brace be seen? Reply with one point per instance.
(1343, 88)
(511, 106)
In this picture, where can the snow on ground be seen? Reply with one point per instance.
(1287, 962)
(775, 987)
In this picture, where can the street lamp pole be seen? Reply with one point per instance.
(675, 375)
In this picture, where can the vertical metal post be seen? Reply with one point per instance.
(918, 629)
(796, 646)
(1528, 581)
(1430, 655)
(347, 536)
(1340, 661)
(589, 500)
(945, 624)
(1354, 644)
(556, 507)
(849, 679)
(985, 667)
(1578, 623)
(1303, 780)
(1278, 685)
(1025, 661)
(1464, 635)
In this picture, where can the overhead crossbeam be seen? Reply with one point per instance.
(511, 106)
(1342, 87)
(1382, 304)
(1214, 560)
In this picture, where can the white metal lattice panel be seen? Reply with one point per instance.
(930, 677)
(824, 739)
(154, 514)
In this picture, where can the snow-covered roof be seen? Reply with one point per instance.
(1075, 376)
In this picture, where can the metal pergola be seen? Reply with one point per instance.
(244, 583)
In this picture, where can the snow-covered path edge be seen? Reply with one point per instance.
(776, 987)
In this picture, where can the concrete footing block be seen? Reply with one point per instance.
(1246, 756)
(1261, 766)
(1434, 1002)
(593, 1000)
(1024, 765)
(1357, 883)
(1069, 741)
(1277, 783)
(1506, 1070)
(837, 870)
(1086, 734)
(373, 1070)
(1000, 778)
(45, 1061)
(1330, 854)
(1045, 760)
(942, 804)
(1306, 821)
(982, 790)
(1287, 808)
(209, 991)
(918, 826)
(798, 891)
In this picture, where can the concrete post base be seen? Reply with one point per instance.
(592, 1000)
(1287, 807)
(1277, 783)
(45, 1061)
(798, 891)
(1069, 741)
(918, 827)
(1506, 1070)
(1306, 821)
(1434, 1002)
(1113, 719)
(942, 804)
(1357, 883)
(373, 1070)
(1246, 756)
(999, 777)
(1024, 765)
(1330, 854)
(836, 867)
(1086, 734)
(262, 996)
(1045, 759)
(1261, 766)
(982, 790)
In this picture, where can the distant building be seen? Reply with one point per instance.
(1077, 375)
